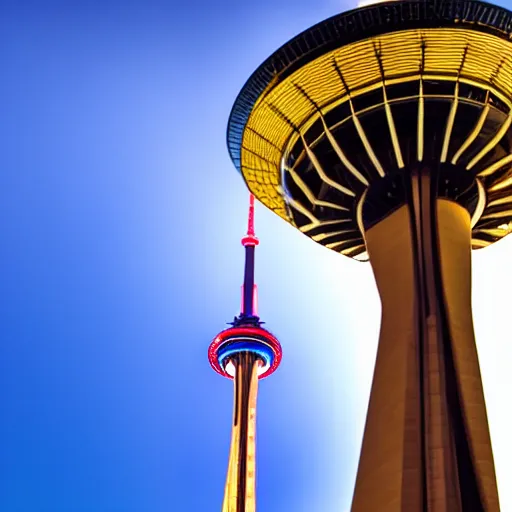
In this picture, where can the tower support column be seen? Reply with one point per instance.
(426, 445)
(239, 495)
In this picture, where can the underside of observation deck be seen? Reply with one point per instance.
(359, 101)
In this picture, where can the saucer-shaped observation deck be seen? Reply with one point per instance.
(245, 338)
(327, 130)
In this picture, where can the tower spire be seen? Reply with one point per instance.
(248, 311)
(250, 223)
(245, 353)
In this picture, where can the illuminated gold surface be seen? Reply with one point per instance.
(243, 438)
(449, 124)
(286, 109)
(385, 472)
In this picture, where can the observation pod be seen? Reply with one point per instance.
(246, 352)
(384, 134)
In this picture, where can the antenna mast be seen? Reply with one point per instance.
(249, 289)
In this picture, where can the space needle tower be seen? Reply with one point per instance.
(245, 353)
(384, 133)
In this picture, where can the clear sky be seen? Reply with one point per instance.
(120, 220)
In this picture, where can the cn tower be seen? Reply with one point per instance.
(245, 353)
(385, 134)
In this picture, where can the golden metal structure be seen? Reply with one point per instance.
(287, 108)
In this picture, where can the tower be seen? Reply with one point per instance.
(245, 353)
(384, 133)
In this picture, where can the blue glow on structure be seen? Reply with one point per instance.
(261, 349)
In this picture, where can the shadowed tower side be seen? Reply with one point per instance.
(245, 353)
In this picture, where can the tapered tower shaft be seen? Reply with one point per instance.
(245, 353)
(426, 444)
(239, 494)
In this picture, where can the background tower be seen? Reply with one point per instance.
(384, 133)
(245, 353)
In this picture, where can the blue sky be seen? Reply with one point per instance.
(120, 260)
